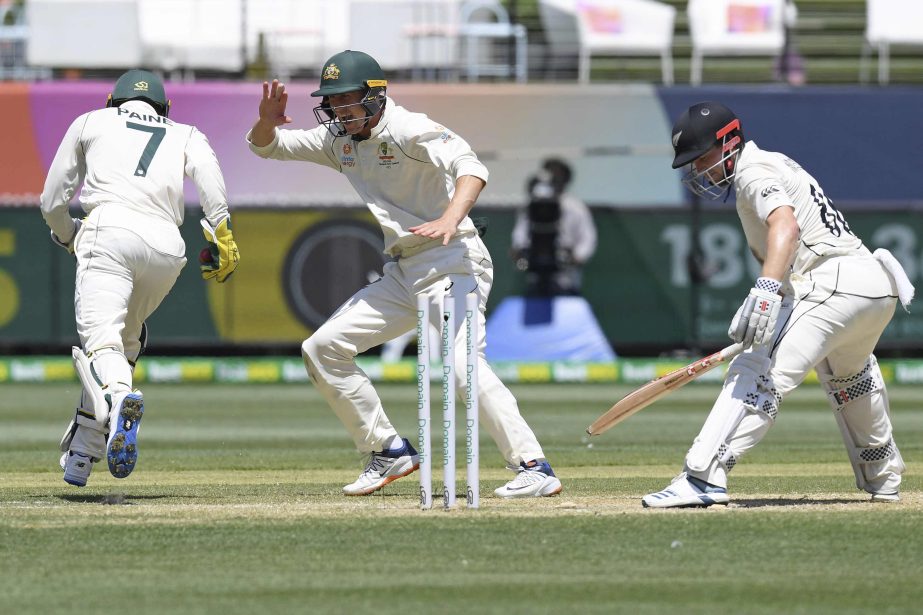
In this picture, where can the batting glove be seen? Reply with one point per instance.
(68, 245)
(755, 321)
(224, 253)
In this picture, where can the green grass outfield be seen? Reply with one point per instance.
(235, 507)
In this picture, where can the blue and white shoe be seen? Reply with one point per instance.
(534, 480)
(122, 448)
(383, 468)
(687, 492)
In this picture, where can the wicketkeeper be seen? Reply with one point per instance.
(131, 160)
(420, 180)
(821, 302)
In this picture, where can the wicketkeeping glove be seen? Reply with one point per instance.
(755, 321)
(223, 250)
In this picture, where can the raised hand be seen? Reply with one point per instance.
(272, 105)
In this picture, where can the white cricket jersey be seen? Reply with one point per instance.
(133, 161)
(767, 180)
(405, 172)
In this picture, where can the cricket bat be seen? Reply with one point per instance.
(655, 389)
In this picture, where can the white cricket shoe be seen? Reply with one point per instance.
(76, 468)
(686, 492)
(894, 496)
(534, 480)
(383, 468)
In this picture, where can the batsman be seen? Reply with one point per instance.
(420, 180)
(821, 302)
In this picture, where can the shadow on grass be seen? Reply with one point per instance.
(116, 499)
(787, 502)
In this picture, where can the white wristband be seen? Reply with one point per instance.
(768, 284)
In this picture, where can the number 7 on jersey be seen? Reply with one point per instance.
(157, 133)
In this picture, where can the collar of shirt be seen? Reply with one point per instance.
(138, 106)
(747, 150)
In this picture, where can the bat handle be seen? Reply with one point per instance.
(731, 351)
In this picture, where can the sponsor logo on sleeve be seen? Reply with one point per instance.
(770, 190)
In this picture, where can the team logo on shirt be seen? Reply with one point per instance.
(770, 190)
(347, 149)
(446, 136)
(386, 155)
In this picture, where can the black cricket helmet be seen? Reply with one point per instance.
(350, 71)
(139, 84)
(700, 128)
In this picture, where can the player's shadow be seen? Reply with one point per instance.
(789, 502)
(116, 499)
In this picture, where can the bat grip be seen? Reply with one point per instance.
(731, 351)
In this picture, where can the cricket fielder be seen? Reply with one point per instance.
(131, 160)
(420, 180)
(821, 302)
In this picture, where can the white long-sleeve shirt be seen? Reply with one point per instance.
(133, 161)
(405, 172)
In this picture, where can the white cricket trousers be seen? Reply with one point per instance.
(122, 276)
(845, 304)
(387, 308)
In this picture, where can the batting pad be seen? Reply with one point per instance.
(746, 391)
(860, 404)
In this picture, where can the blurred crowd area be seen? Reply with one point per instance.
(665, 41)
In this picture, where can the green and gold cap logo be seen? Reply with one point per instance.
(332, 71)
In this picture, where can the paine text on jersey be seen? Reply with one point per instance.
(157, 119)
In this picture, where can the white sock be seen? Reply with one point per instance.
(395, 444)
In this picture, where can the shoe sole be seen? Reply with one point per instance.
(696, 504)
(122, 452)
(387, 480)
(541, 493)
(76, 482)
(556, 491)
